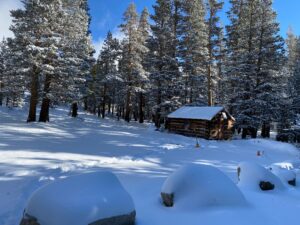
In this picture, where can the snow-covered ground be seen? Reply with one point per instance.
(32, 155)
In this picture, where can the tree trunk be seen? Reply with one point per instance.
(209, 87)
(99, 110)
(123, 112)
(265, 130)
(253, 133)
(157, 118)
(34, 96)
(7, 101)
(244, 133)
(141, 111)
(85, 107)
(44, 114)
(104, 101)
(74, 109)
(113, 103)
(191, 91)
(119, 112)
(127, 109)
(112, 109)
(1, 93)
(109, 106)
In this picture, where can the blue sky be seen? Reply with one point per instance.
(107, 15)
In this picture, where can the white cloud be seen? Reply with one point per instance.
(99, 43)
(5, 19)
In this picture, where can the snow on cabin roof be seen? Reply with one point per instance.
(195, 112)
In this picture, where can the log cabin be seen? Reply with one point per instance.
(213, 123)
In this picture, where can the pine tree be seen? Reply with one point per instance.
(29, 46)
(51, 67)
(194, 50)
(289, 103)
(15, 81)
(269, 66)
(74, 60)
(53, 46)
(214, 42)
(235, 15)
(132, 69)
(2, 68)
(144, 31)
(107, 76)
(296, 78)
(254, 67)
(243, 52)
(164, 69)
(221, 84)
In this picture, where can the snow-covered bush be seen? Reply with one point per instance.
(81, 199)
(254, 176)
(194, 186)
(286, 176)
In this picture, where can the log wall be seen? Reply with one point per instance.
(216, 129)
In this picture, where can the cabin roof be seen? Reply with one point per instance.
(196, 112)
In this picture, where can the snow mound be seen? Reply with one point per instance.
(252, 174)
(285, 175)
(80, 199)
(195, 186)
(290, 165)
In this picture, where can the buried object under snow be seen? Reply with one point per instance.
(286, 176)
(254, 176)
(92, 198)
(194, 186)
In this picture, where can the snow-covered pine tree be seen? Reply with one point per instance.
(73, 58)
(132, 69)
(214, 43)
(296, 79)
(53, 63)
(108, 80)
(254, 64)
(52, 46)
(291, 43)
(29, 46)
(194, 50)
(293, 54)
(164, 71)
(289, 104)
(2, 68)
(144, 31)
(270, 62)
(221, 84)
(13, 79)
(234, 14)
(243, 51)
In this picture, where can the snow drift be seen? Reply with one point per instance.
(195, 186)
(81, 199)
(252, 174)
(285, 175)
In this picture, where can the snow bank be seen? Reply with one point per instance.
(252, 174)
(194, 186)
(79, 200)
